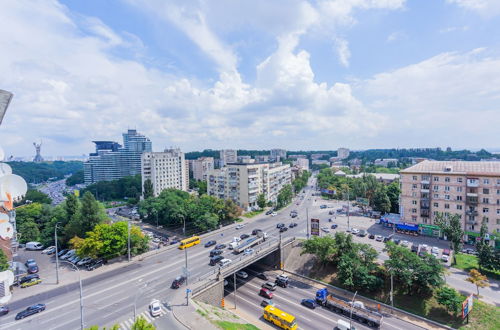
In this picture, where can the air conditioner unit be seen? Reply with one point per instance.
(448, 169)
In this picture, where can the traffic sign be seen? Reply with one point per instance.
(189, 290)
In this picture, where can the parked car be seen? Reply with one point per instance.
(379, 238)
(309, 303)
(216, 252)
(446, 252)
(28, 278)
(279, 225)
(248, 252)
(256, 231)
(30, 311)
(362, 233)
(243, 236)
(75, 259)
(84, 261)
(262, 276)
(331, 212)
(62, 252)
(33, 281)
(445, 258)
(269, 212)
(265, 293)
(215, 259)
(210, 243)
(414, 248)
(292, 225)
(4, 310)
(405, 243)
(354, 231)
(283, 229)
(49, 249)
(225, 262)
(396, 241)
(68, 255)
(155, 308)
(325, 229)
(266, 302)
(386, 239)
(95, 264)
(242, 274)
(274, 214)
(334, 226)
(220, 246)
(34, 246)
(30, 262)
(32, 266)
(323, 206)
(269, 285)
(435, 250)
(178, 281)
(371, 236)
(240, 226)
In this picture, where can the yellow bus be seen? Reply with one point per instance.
(279, 318)
(185, 243)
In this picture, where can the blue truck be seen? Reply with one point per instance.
(362, 315)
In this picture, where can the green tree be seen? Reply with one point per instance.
(322, 247)
(381, 201)
(486, 257)
(36, 196)
(451, 226)
(141, 324)
(261, 201)
(91, 213)
(393, 192)
(4, 264)
(75, 178)
(284, 196)
(29, 232)
(148, 190)
(357, 269)
(72, 207)
(449, 298)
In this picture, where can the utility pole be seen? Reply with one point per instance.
(307, 221)
(234, 290)
(392, 298)
(348, 223)
(352, 306)
(57, 254)
(186, 261)
(281, 254)
(128, 227)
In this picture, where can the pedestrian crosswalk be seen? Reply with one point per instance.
(127, 324)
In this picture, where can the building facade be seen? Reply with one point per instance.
(201, 167)
(469, 189)
(243, 183)
(302, 163)
(166, 169)
(111, 161)
(342, 153)
(277, 154)
(228, 156)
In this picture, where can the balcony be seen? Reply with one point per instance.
(471, 222)
(470, 194)
(425, 182)
(425, 213)
(472, 213)
(472, 183)
(423, 190)
(472, 200)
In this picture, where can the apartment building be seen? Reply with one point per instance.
(228, 156)
(243, 182)
(342, 153)
(166, 169)
(470, 189)
(201, 167)
(277, 154)
(302, 163)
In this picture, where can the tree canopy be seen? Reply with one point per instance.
(129, 187)
(75, 178)
(40, 172)
(451, 226)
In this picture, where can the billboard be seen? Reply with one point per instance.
(315, 227)
(328, 191)
(467, 306)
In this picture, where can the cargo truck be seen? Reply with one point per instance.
(251, 242)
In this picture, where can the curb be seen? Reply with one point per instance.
(178, 319)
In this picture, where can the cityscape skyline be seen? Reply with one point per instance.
(328, 75)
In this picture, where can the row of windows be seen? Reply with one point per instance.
(448, 179)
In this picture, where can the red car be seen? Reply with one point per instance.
(266, 293)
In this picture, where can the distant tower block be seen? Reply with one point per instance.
(38, 158)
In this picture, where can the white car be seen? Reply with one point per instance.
(435, 250)
(155, 308)
(84, 261)
(405, 243)
(239, 226)
(282, 277)
(242, 274)
(248, 252)
(379, 238)
(325, 229)
(355, 231)
(274, 214)
(445, 258)
(236, 239)
(225, 262)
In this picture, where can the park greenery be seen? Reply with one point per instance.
(450, 299)
(381, 197)
(4, 263)
(285, 196)
(34, 196)
(128, 187)
(199, 186)
(174, 208)
(75, 178)
(300, 181)
(41, 172)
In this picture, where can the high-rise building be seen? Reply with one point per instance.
(165, 170)
(469, 189)
(243, 183)
(342, 153)
(201, 167)
(111, 161)
(228, 156)
(277, 154)
(302, 163)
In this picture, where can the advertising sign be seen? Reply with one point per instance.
(467, 306)
(315, 227)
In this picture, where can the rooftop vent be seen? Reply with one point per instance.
(448, 169)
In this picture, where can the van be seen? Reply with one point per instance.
(34, 246)
(225, 262)
(344, 325)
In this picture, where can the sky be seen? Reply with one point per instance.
(259, 74)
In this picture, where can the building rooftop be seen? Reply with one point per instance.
(455, 167)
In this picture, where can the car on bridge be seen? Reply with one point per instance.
(216, 252)
(269, 285)
(30, 311)
(220, 246)
(215, 260)
(248, 252)
(225, 262)
(309, 303)
(243, 236)
(210, 243)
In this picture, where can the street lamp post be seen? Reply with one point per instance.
(81, 292)
(128, 243)
(307, 221)
(234, 290)
(352, 306)
(57, 254)
(348, 223)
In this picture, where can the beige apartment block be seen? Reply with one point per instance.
(243, 183)
(166, 169)
(469, 189)
(201, 167)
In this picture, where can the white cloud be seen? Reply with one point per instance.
(396, 36)
(342, 48)
(454, 29)
(487, 8)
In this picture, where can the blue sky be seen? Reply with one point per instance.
(256, 74)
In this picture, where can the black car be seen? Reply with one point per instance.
(371, 236)
(397, 241)
(95, 264)
(334, 226)
(28, 278)
(30, 311)
(62, 252)
(279, 225)
(214, 260)
(386, 239)
(269, 212)
(243, 236)
(262, 276)
(256, 231)
(178, 282)
(220, 246)
(310, 303)
(215, 252)
(4, 310)
(414, 248)
(210, 243)
(294, 215)
(283, 229)
(32, 268)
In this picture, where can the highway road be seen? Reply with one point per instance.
(288, 299)
(109, 296)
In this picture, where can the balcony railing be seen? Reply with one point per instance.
(472, 183)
